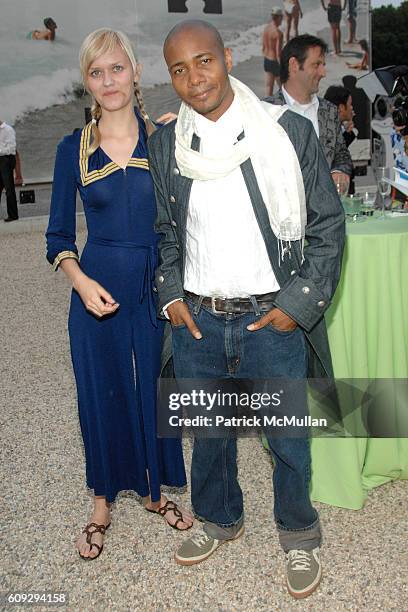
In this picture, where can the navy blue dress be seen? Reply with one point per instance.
(116, 359)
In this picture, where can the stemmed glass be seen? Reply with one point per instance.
(384, 187)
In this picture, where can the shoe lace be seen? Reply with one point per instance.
(200, 539)
(299, 560)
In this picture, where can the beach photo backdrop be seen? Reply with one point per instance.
(40, 85)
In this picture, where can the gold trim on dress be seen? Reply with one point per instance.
(95, 175)
(63, 255)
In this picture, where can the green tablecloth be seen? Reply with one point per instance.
(368, 335)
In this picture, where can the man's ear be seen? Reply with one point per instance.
(228, 58)
(293, 66)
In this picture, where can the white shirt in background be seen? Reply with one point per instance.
(7, 140)
(306, 110)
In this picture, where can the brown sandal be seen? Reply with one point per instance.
(172, 507)
(97, 529)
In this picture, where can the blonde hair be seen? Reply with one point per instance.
(96, 44)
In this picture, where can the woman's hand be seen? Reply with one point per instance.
(95, 298)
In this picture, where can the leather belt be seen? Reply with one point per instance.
(221, 305)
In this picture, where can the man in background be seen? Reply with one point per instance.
(341, 97)
(303, 65)
(7, 166)
(271, 49)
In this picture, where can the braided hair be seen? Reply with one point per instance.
(96, 113)
(140, 103)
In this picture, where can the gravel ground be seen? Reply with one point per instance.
(45, 502)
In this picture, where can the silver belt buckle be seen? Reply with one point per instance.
(213, 308)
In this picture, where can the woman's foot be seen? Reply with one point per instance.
(90, 542)
(176, 516)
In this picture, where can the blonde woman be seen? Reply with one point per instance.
(114, 333)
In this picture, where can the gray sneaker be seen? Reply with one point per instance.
(303, 572)
(199, 547)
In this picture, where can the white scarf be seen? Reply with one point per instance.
(272, 154)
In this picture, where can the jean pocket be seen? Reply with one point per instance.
(280, 332)
(180, 326)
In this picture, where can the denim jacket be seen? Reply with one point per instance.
(306, 287)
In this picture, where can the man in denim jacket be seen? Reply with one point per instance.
(242, 303)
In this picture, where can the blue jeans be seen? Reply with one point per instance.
(228, 350)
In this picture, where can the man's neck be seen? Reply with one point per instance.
(297, 94)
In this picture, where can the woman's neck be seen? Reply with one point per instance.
(122, 122)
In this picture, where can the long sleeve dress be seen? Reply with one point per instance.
(116, 359)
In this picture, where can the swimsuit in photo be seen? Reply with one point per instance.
(352, 9)
(334, 13)
(288, 5)
(272, 66)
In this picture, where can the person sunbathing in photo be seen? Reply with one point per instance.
(47, 34)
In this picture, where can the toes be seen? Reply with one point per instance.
(188, 518)
(84, 550)
(184, 525)
(187, 515)
(186, 521)
(81, 545)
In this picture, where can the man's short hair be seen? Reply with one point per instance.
(336, 94)
(276, 11)
(191, 24)
(298, 48)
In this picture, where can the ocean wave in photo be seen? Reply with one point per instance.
(38, 92)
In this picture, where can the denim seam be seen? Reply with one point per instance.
(309, 528)
(227, 345)
(225, 476)
(238, 344)
(223, 525)
(197, 306)
(275, 489)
